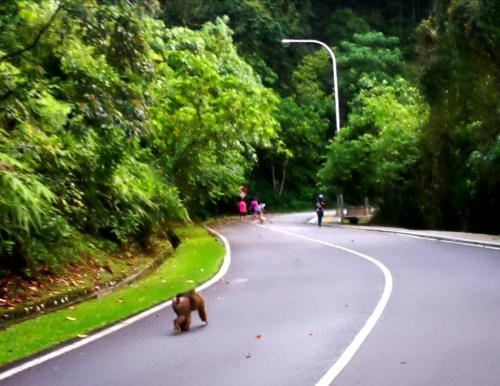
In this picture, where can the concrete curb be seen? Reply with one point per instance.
(414, 233)
(433, 236)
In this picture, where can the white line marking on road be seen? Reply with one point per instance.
(358, 340)
(463, 242)
(224, 268)
(470, 245)
(445, 239)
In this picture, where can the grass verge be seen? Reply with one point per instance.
(196, 260)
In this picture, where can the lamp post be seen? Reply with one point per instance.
(340, 200)
(335, 87)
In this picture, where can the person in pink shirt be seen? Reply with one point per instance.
(242, 207)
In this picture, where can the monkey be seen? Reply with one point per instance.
(185, 302)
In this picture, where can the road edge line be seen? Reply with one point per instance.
(430, 237)
(370, 323)
(124, 323)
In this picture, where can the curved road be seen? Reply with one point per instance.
(293, 300)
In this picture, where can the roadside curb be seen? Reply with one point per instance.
(434, 236)
(424, 235)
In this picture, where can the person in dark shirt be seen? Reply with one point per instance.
(320, 206)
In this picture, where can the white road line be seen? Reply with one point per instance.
(358, 340)
(433, 237)
(464, 242)
(470, 245)
(44, 358)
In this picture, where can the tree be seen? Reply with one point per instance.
(291, 164)
(460, 75)
(371, 54)
(111, 124)
(211, 113)
(258, 27)
(377, 154)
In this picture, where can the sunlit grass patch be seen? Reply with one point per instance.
(197, 259)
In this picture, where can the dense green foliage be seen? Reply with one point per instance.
(377, 154)
(459, 49)
(112, 124)
(117, 117)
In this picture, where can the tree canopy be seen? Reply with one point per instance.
(119, 117)
(112, 124)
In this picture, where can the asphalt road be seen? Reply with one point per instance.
(293, 300)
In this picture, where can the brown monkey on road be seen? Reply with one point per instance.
(183, 304)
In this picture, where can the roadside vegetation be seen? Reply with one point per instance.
(113, 126)
(196, 260)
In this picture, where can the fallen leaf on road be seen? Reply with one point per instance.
(248, 356)
(258, 337)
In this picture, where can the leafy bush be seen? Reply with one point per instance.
(25, 212)
(377, 155)
(111, 124)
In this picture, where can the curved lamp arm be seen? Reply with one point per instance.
(335, 87)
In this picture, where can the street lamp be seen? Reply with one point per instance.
(340, 199)
(335, 88)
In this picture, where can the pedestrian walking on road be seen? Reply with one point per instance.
(254, 207)
(242, 207)
(260, 212)
(320, 206)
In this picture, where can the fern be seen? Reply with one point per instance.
(25, 202)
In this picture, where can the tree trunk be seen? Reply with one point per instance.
(274, 178)
(283, 178)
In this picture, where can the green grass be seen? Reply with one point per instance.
(197, 259)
